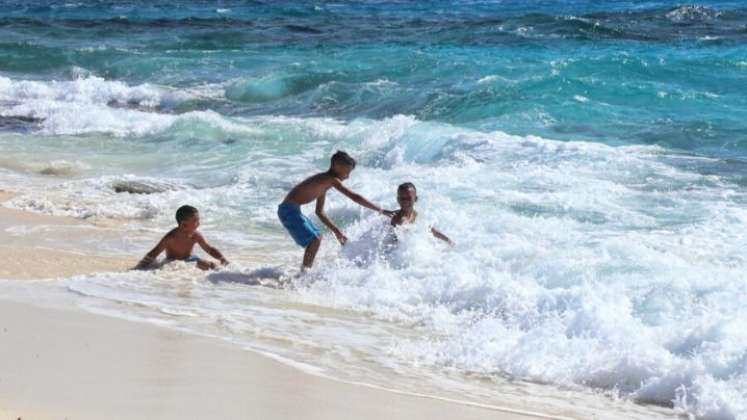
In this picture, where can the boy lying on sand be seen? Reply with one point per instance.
(313, 188)
(407, 195)
(178, 243)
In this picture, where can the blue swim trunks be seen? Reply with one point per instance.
(191, 258)
(300, 227)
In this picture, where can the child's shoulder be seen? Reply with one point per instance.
(399, 218)
(317, 178)
(170, 234)
(324, 176)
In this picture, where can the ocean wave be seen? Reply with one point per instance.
(275, 86)
(96, 105)
(392, 145)
(101, 197)
(88, 104)
(90, 89)
(576, 263)
(550, 298)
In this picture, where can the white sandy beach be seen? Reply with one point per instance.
(63, 363)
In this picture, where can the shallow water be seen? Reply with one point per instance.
(588, 158)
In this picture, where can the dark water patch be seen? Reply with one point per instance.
(578, 215)
(162, 108)
(118, 22)
(732, 170)
(19, 123)
(26, 56)
(302, 29)
(685, 23)
(141, 187)
(276, 86)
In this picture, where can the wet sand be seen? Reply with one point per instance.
(63, 363)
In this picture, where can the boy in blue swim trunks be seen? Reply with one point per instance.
(313, 188)
(180, 241)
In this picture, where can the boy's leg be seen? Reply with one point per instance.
(311, 250)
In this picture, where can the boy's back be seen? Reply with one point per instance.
(300, 227)
(310, 189)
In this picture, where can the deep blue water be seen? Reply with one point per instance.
(609, 71)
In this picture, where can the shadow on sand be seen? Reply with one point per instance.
(273, 277)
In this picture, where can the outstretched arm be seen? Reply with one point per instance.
(151, 256)
(359, 199)
(213, 252)
(441, 236)
(323, 217)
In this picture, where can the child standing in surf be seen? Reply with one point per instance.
(300, 227)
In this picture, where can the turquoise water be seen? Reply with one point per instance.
(613, 72)
(588, 157)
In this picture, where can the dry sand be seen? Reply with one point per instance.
(62, 363)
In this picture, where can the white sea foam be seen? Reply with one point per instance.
(575, 263)
(488, 79)
(127, 196)
(692, 13)
(94, 105)
(580, 98)
(87, 90)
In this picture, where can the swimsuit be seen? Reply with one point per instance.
(191, 258)
(300, 227)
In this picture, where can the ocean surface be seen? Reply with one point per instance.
(589, 159)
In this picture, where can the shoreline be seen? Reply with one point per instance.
(79, 364)
(26, 257)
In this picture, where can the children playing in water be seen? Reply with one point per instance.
(407, 195)
(313, 188)
(178, 243)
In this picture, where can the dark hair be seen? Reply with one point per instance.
(407, 186)
(343, 158)
(184, 213)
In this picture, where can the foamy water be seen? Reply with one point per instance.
(577, 264)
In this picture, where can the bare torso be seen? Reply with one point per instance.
(310, 189)
(178, 245)
(400, 218)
